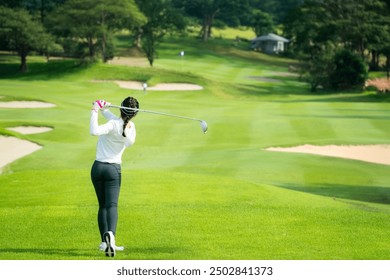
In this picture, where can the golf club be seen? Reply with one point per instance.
(203, 124)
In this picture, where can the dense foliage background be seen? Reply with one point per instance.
(318, 30)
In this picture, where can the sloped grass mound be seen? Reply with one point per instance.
(74, 70)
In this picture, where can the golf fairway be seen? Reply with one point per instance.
(188, 195)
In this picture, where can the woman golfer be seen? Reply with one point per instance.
(114, 136)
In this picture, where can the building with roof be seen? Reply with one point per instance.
(270, 43)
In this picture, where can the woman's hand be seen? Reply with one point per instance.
(99, 105)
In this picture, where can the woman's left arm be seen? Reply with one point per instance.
(94, 127)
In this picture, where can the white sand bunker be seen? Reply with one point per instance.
(25, 104)
(159, 87)
(12, 148)
(369, 153)
(30, 129)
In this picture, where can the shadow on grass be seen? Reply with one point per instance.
(152, 253)
(282, 91)
(292, 86)
(153, 250)
(52, 253)
(363, 116)
(42, 70)
(349, 97)
(374, 194)
(46, 253)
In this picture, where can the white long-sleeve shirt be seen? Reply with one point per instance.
(111, 144)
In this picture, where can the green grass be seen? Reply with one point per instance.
(186, 195)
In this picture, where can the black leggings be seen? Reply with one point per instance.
(106, 179)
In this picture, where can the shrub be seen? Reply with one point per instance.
(350, 71)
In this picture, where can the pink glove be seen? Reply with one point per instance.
(100, 104)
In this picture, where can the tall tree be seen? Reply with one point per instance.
(93, 22)
(205, 11)
(278, 9)
(11, 3)
(262, 23)
(162, 17)
(40, 8)
(385, 48)
(353, 24)
(235, 13)
(357, 22)
(22, 34)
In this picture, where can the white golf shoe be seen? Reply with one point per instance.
(119, 248)
(103, 246)
(110, 241)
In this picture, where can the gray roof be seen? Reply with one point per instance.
(270, 37)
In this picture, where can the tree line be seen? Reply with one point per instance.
(337, 41)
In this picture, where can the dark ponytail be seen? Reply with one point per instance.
(125, 122)
(128, 114)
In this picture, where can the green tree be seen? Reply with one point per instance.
(40, 8)
(260, 15)
(22, 34)
(336, 25)
(385, 47)
(11, 3)
(262, 23)
(310, 27)
(92, 23)
(349, 71)
(318, 66)
(379, 44)
(162, 17)
(278, 9)
(359, 24)
(235, 13)
(206, 12)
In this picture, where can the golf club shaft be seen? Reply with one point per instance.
(154, 112)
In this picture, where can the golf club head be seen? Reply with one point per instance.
(204, 126)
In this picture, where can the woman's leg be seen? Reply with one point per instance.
(106, 179)
(98, 183)
(112, 189)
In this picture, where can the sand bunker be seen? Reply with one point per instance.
(25, 104)
(30, 129)
(159, 87)
(14, 148)
(369, 153)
